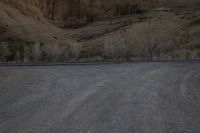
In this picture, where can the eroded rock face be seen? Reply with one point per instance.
(87, 10)
(61, 10)
(80, 10)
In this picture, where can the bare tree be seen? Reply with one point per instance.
(196, 55)
(115, 47)
(26, 53)
(75, 49)
(52, 52)
(4, 51)
(151, 40)
(36, 52)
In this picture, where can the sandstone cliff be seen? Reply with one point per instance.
(85, 10)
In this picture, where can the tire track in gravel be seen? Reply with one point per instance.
(135, 97)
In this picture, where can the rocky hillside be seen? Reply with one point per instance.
(63, 23)
(41, 14)
(84, 10)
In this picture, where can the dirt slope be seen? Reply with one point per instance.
(31, 26)
(32, 20)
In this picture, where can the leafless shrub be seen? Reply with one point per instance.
(195, 55)
(4, 51)
(186, 54)
(51, 52)
(26, 54)
(75, 49)
(183, 54)
(115, 47)
(36, 52)
(153, 39)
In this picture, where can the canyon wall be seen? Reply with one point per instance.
(82, 10)
(89, 10)
(62, 10)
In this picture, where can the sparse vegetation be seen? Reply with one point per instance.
(115, 47)
(4, 52)
(154, 39)
(51, 53)
(19, 51)
(36, 52)
(75, 49)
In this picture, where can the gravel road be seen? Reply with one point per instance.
(113, 98)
